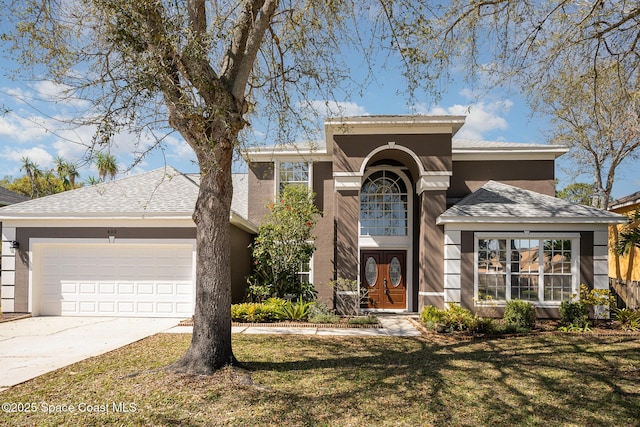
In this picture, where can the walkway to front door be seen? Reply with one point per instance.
(383, 275)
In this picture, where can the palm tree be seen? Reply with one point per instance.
(92, 180)
(50, 186)
(73, 174)
(62, 171)
(629, 237)
(107, 165)
(33, 172)
(67, 172)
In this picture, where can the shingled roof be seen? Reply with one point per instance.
(501, 203)
(8, 197)
(630, 200)
(163, 192)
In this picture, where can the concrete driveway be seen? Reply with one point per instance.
(37, 345)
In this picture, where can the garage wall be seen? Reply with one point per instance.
(24, 234)
(20, 279)
(240, 263)
(153, 278)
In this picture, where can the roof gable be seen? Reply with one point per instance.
(497, 202)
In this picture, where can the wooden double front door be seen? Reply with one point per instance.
(383, 275)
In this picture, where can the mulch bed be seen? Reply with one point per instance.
(8, 317)
(603, 328)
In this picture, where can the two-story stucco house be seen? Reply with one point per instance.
(415, 216)
(420, 218)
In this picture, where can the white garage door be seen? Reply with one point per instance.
(114, 280)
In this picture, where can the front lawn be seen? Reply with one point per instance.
(347, 381)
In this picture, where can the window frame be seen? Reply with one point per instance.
(278, 182)
(309, 272)
(541, 237)
(401, 178)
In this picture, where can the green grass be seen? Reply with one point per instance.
(352, 381)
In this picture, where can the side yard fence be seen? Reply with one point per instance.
(627, 292)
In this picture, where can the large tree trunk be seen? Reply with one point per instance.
(211, 342)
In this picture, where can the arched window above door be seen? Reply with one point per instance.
(383, 205)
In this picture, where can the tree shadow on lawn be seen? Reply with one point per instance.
(559, 379)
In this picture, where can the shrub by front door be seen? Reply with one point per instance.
(383, 274)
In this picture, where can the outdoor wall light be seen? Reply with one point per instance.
(14, 244)
(112, 239)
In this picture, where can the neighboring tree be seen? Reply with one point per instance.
(530, 42)
(67, 173)
(92, 180)
(107, 166)
(22, 185)
(578, 192)
(285, 243)
(578, 62)
(598, 119)
(33, 173)
(203, 67)
(50, 184)
(629, 236)
(37, 183)
(45, 184)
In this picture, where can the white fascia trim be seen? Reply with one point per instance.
(436, 180)
(528, 228)
(359, 174)
(289, 155)
(268, 158)
(367, 125)
(623, 205)
(347, 182)
(242, 223)
(374, 125)
(136, 216)
(527, 220)
(534, 235)
(507, 154)
(81, 222)
(437, 173)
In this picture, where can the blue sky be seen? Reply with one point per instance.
(31, 129)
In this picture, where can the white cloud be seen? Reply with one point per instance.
(14, 92)
(60, 94)
(21, 129)
(38, 155)
(337, 108)
(178, 148)
(45, 96)
(481, 117)
(469, 93)
(72, 145)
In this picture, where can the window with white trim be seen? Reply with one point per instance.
(536, 269)
(383, 205)
(296, 173)
(304, 272)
